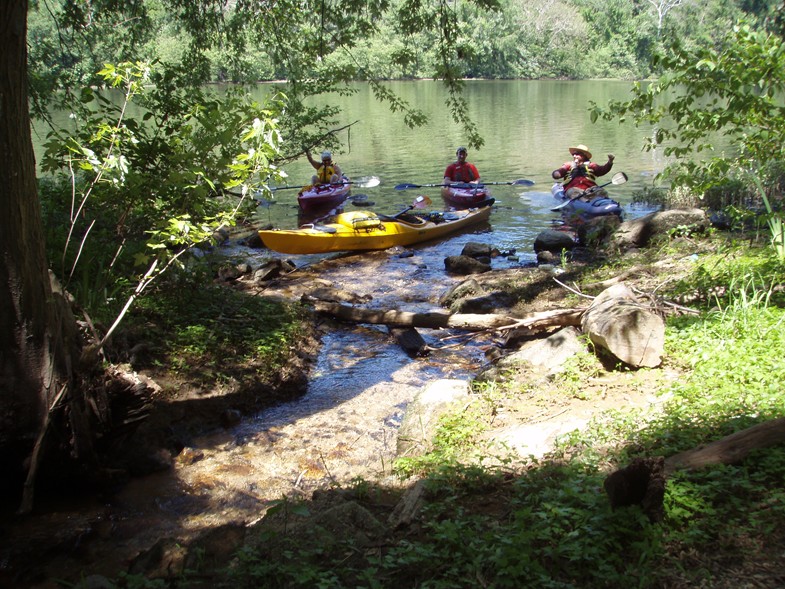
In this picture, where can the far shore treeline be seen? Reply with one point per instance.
(508, 39)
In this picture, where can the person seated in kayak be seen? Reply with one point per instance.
(327, 171)
(581, 173)
(461, 171)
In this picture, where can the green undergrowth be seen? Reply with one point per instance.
(547, 523)
(212, 334)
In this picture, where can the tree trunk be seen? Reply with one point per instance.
(643, 481)
(35, 357)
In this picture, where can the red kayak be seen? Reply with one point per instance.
(464, 196)
(323, 196)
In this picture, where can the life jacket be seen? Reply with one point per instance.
(324, 173)
(464, 173)
(577, 172)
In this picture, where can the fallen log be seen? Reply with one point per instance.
(447, 320)
(643, 481)
(730, 449)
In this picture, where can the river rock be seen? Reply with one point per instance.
(553, 241)
(253, 241)
(273, 269)
(541, 356)
(471, 297)
(546, 257)
(466, 289)
(476, 250)
(465, 265)
(596, 231)
(422, 415)
(640, 232)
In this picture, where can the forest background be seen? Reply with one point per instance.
(520, 39)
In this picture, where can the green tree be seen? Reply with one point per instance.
(141, 175)
(733, 92)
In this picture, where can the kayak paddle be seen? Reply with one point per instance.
(418, 203)
(364, 182)
(518, 182)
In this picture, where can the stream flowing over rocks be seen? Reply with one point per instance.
(346, 427)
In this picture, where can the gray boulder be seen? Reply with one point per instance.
(640, 232)
(553, 241)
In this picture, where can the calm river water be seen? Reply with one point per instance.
(527, 127)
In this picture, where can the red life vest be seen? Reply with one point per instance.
(583, 170)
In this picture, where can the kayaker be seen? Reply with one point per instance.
(327, 171)
(461, 170)
(580, 174)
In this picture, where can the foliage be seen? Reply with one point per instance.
(547, 522)
(732, 275)
(454, 435)
(200, 327)
(733, 92)
(131, 187)
(777, 229)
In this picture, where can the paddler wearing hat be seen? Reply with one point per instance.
(581, 173)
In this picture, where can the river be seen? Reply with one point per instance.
(345, 426)
(527, 126)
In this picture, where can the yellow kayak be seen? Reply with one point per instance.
(364, 230)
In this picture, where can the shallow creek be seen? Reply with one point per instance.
(343, 428)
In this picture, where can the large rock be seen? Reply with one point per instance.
(617, 322)
(422, 415)
(639, 232)
(477, 250)
(595, 231)
(469, 288)
(465, 265)
(553, 241)
(538, 357)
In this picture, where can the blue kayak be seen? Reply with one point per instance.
(587, 207)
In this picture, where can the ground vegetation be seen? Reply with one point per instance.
(486, 517)
(136, 199)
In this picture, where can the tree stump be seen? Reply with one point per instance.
(641, 483)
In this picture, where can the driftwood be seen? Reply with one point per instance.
(642, 482)
(444, 319)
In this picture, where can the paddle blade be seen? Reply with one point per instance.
(522, 182)
(366, 181)
(619, 178)
(421, 202)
